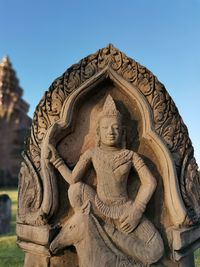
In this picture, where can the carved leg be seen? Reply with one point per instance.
(143, 244)
(79, 193)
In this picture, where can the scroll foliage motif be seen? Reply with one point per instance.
(30, 195)
(168, 123)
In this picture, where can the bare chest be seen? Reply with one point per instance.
(114, 164)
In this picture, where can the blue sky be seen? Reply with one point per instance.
(43, 38)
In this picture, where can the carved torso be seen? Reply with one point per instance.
(112, 169)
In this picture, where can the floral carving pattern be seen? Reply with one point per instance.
(30, 195)
(168, 123)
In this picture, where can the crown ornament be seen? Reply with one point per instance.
(110, 109)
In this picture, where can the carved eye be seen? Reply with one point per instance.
(116, 127)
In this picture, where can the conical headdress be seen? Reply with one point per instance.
(109, 109)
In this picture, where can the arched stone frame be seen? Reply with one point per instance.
(172, 194)
(168, 123)
(162, 125)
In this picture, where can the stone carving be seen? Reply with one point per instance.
(111, 202)
(167, 121)
(91, 241)
(5, 213)
(30, 192)
(151, 198)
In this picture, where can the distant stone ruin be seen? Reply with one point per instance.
(5, 213)
(14, 124)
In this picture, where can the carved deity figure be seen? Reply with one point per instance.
(121, 216)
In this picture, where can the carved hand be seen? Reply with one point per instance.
(130, 219)
(51, 153)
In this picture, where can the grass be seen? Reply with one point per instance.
(11, 255)
(197, 258)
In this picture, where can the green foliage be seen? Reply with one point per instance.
(10, 254)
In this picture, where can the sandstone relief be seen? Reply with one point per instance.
(108, 177)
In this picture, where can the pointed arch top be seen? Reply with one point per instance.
(167, 121)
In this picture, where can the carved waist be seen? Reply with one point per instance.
(113, 210)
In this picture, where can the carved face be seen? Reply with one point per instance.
(110, 131)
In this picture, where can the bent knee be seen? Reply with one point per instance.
(75, 194)
(80, 192)
(154, 248)
(152, 241)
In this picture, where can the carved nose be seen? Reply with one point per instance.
(110, 130)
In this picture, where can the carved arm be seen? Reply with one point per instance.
(131, 218)
(81, 167)
(78, 172)
(63, 169)
(148, 182)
